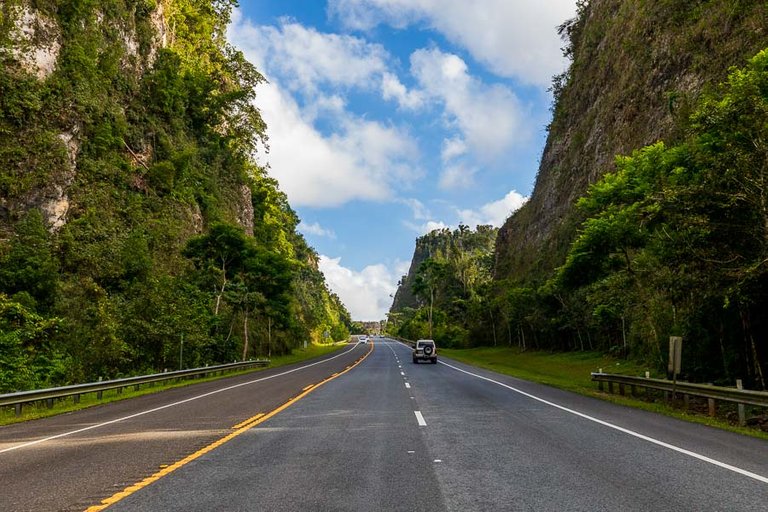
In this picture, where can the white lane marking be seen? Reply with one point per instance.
(420, 419)
(438, 460)
(403, 374)
(118, 420)
(411, 451)
(621, 429)
(408, 386)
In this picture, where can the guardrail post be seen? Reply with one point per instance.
(136, 387)
(711, 404)
(49, 403)
(610, 387)
(18, 410)
(621, 388)
(120, 391)
(633, 390)
(685, 401)
(742, 414)
(76, 399)
(99, 394)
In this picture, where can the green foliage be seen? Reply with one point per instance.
(27, 356)
(677, 238)
(450, 286)
(28, 266)
(153, 153)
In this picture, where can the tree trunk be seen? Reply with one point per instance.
(218, 297)
(269, 337)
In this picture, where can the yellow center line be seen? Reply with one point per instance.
(257, 420)
(245, 422)
(306, 388)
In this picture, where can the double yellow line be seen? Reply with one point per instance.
(241, 427)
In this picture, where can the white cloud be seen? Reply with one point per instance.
(453, 148)
(516, 39)
(457, 176)
(306, 58)
(361, 159)
(420, 212)
(490, 117)
(392, 88)
(494, 213)
(425, 227)
(366, 293)
(315, 229)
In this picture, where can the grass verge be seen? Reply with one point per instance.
(40, 410)
(571, 371)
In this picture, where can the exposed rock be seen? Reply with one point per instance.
(55, 201)
(36, 41)
(245, 212)
(160, 29)
(197, 219)
(637, 66)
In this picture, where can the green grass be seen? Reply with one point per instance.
(40, 410)
(571, 371)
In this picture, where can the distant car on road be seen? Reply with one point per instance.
(425, 349)
(362, 339)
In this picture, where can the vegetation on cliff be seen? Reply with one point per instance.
(450, 286)
(137, 232)
(617, 253)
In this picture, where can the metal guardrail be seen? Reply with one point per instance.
(711, 393)
(24, 397)
(741, 396)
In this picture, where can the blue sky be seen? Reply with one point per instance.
(389, 118)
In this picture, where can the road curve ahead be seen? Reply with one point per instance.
(391, 435)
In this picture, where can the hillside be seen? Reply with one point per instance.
(649, 218)
(441, 297)
(637, 68)
(133, 218)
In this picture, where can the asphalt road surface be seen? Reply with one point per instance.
(391, 435)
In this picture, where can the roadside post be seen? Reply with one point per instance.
(675, 353)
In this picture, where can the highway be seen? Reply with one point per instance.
(384, 435)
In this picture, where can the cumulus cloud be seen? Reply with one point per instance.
(425, 227)
(306, 58)
(315, 229)
(457, 176)
(453, 148)
(393, 89)
(366, 293)
(420, 212)
(490, 117)
(495, 212)
(515, 39)
(361, 159)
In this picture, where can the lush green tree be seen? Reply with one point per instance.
(29, 267)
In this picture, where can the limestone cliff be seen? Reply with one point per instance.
(637, 66)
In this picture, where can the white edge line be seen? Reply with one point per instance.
(621, 429)
(407, 385)
(420, 419)
(118, 420)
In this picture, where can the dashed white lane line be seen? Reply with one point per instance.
(695, 455)
(401, 373)
(408, 386)
(420, 419)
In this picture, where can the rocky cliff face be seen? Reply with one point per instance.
(637, 65)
